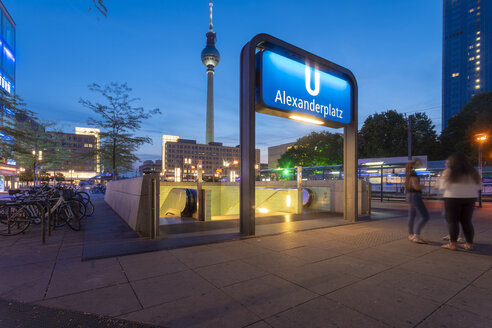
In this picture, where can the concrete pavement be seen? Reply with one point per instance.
(362, 275)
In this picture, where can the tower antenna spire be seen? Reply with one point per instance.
(211, 25)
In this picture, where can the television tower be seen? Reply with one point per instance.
(210, 58)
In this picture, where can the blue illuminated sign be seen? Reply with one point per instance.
(303, 91)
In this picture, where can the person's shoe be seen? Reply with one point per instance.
(410, 237)
(446, 238)
(450, 246)
(461, 240)
(466, 247)
(416, 239)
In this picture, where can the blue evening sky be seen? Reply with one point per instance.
(393, 47)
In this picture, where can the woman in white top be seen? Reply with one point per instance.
(461, 183)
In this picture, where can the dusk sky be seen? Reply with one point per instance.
(394, 49)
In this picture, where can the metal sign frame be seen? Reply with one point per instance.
(248, 109)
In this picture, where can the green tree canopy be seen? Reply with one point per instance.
(474, 118)
(386, 135)
(118, 121)
(316, 149)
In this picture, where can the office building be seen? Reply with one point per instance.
(275, 152)
(183, 156)
(150, 166)
(165, 139)
(8, 167)
(467, 38)
(96, 133)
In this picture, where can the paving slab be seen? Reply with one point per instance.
(268, 295)
(320, 278)
(418, 284)
(25, 282)
(72, 276)
(388, 305)
(225, 274)
(451, 317)
(475, 300)
(170, 287)
(152, 264)
(323, 313)
(211, 310)
(275, 262)
(122, 301)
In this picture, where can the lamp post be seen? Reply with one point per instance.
(71, 175)
(481, 138)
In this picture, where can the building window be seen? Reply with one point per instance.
(8, 33)
(452, 75)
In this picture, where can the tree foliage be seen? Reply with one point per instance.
(474, 118)
(118, 121)
(386, 135)
(316, 149)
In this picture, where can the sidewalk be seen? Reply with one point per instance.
(362, 275)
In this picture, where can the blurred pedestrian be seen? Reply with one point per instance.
(461, 183)
(415, 203)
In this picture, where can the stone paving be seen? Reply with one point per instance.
(362, 275)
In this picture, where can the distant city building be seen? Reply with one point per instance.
(275, 152)
(467, 47)
(96, 133)
(150, 166)
(183, 156)
(81, 160)
(165, 139)
(210, 58)
(7, 68)
(8, 167)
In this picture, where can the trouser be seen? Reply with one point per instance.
(415, 204)
(460, 211)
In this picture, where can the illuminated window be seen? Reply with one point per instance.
(478, 32)
(477, 69)
(477, 86)
(471, 58)
(477, 80)
(478, 62)
(478, 39)
(478, 50)
(478, 44)
(455, 74)
(478, 56)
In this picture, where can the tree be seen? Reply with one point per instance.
(118, 121)
(383, 135)
(386, 135)
(474, 118)
(316, 149)
(99, 6)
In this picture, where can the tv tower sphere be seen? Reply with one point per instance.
(210, 54)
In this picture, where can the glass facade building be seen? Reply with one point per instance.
(7, 45)
(467, 36)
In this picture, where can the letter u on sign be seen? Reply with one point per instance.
(308, 81)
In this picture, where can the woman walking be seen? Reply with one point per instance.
(415, 203)
(461, 183)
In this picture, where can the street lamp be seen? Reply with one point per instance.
(481, 138)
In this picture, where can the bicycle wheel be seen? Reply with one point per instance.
(83, 196)
(74, 209)
(13, 220)
(89, 208)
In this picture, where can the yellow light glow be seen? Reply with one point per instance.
(478, 50)
(478, 62)
(477, 86)
(372, 171)
(262, 210)
(477, 69)
(455, 74)
(481, 137)
(335, 172)
(478, 39)
(478, 44)
(477, 80)
(288, 201)
(374, 163)
(306, 120)
(421, 169)
(478, 56)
